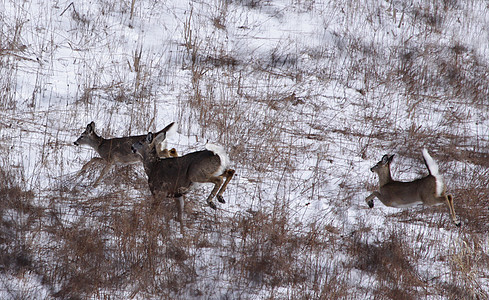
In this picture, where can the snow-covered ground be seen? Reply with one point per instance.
(305, 96)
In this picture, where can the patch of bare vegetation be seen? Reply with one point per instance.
(132, 250)
(391, 263)
(18, 217)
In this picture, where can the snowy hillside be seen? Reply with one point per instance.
(305, 96)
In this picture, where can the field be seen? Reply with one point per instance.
(305, 96)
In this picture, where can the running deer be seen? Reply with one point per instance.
(115, 150)
(173, 177)
(429, 190)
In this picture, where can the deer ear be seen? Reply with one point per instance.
(91, 127)
(160, 137)
(149, 137)
(387, 159)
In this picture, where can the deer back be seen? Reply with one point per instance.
(406, 194)
(174, 176)
(119, 149)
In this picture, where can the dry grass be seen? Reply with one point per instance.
(391, 263)
(18, 214)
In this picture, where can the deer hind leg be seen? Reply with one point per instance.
(229, 173)
(217, 180)
(449, 201)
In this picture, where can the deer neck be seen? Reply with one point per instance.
(95, 141)
(384, 176)
(149, 159)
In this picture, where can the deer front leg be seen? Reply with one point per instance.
(370, 199)
(180, 202)
(89, 163)
(228, 174)
(102, 173)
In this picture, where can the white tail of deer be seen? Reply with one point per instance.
(115, 150)
(173, 177)
(429, 190)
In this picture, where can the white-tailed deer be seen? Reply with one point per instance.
(429, 190)
(115, 150)
(173, 177)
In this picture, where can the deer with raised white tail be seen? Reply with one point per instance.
(115, 150)
(173, 177)
(429, 190)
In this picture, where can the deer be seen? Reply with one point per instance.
(116, 150)
(165, 153)
(173, 177)
(429, 190)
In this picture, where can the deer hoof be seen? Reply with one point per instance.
(370, 203)
(458, 223)
(212, 205)
(220, 199)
